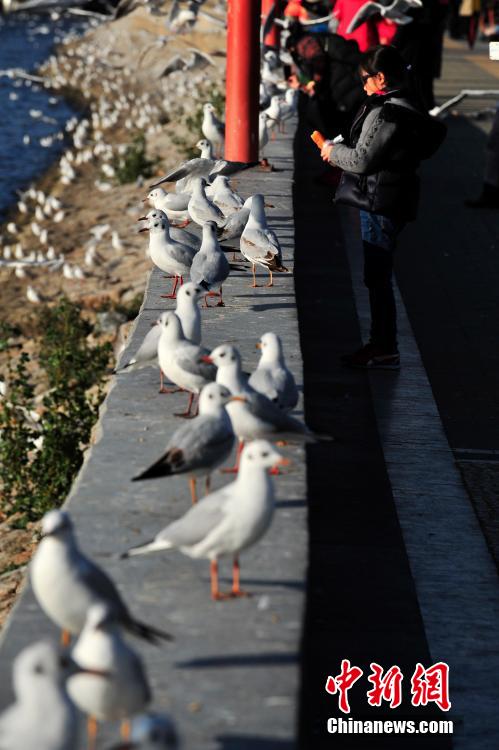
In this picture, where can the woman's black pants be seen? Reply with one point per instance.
(378, 270)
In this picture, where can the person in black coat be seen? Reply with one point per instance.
(388, 139)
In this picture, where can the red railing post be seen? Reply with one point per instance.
(272, 38)
(243, 80)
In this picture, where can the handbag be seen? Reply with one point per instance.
(356, 190)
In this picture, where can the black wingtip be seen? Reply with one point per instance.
(149, 633)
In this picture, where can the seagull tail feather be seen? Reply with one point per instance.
(125, 367)
(147, 632)
(155, 545)
(161, 468)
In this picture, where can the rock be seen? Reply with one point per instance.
(110, 321)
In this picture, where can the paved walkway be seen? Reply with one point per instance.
(400, 569)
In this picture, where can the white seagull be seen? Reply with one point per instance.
(124, 690)
(259, 243)
(228, 521)
(272, 377)
(180, 360)
(198, 447)
(170, 256)
(66, 583)
(201, 208)
(209, 266)
(42, 716)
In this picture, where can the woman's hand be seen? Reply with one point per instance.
(326, 151)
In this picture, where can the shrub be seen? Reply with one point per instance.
(133, 163)
(39, 459)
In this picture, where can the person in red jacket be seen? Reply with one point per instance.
(366, 35)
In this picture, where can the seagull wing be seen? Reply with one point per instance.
(234, 226)
(188, 358)
(187, 169)
(101, 585)
(149, 348)
(198, 522)
(229, 167)
(261, 381)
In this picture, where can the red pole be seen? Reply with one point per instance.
(243, 80)
(272, 38)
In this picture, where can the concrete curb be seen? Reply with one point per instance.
(230, 679)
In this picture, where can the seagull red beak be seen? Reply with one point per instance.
(238, 398)
(144, 229)
(207, 359)
(258, 345)
(142, 218)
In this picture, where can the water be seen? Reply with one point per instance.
(25, 42)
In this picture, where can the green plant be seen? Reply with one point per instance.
(39, 459)
(134, 162)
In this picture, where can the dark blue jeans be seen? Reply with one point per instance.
(379, 238)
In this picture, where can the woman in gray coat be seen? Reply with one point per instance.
(388, 139)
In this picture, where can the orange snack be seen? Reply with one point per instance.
(318, 139)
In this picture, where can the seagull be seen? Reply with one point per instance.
(147, 353)
(32, 295)
(42, 717)
(212, 128)
(187, 310)
(174, 205)
(227, 521)
(290, 107)
(170, 256)
(235, 223)
(396, 12)
(124, 691)
(272, 377)
(180, 360)
(263, 133)
(256, 416)
(180, 235)
(206, 148)
(151, 732)
(274, 113)
(198, 447)
(210, 267)
(116, 242)
(66, 583)
(181, 18)
(184, 174)
(227, 200)
(259, 243)
(202, 209)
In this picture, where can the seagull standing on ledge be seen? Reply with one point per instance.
(228, 521)
(259, 243)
